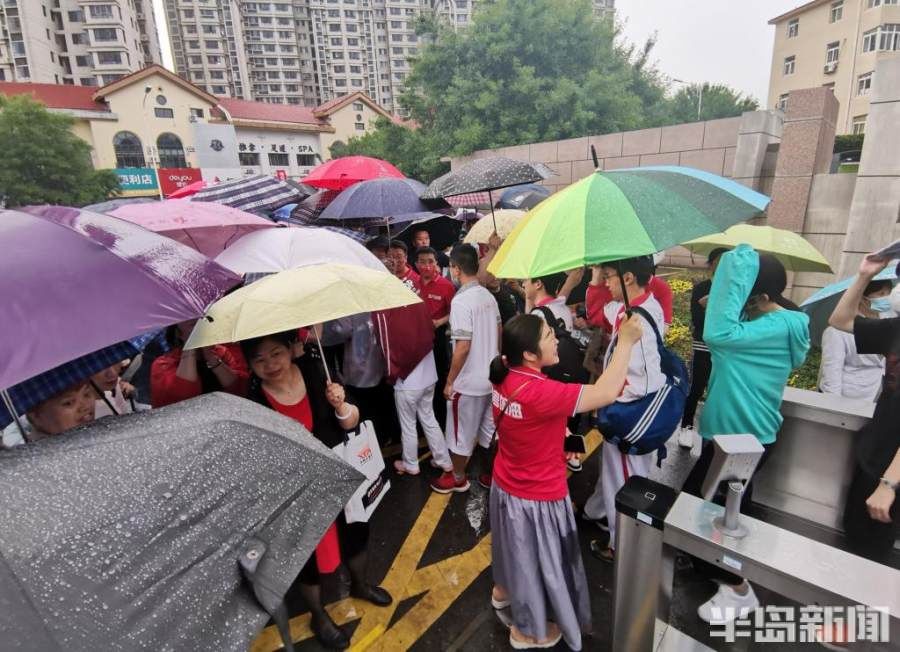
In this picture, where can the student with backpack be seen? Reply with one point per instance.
(649, 406)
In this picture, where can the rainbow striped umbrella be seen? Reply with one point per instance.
(620, 214)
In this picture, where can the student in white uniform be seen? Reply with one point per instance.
(475, 332)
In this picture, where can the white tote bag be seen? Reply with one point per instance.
(362, 452)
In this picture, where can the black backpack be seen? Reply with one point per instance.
(570, 368)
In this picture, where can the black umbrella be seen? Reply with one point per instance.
(254, 194)
(381, 199)
(443, 231)
(174, 529)
(487, 174)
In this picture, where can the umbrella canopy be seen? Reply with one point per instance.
(299, 297)
(307, 211)
(205, 226)
(260, 193)
(33, 391)
(380, 199)
(506, 220)
(470, 200)
(275, 250)
(341, 173)
(794, 252)
(443, 230)
(113, 204)
(820, 305)
(188, 190)
(283, 212)
(486, 174)
(620, 214)
(523, 197)
(73, 282)
(145, 550)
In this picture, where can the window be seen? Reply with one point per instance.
(870, 40)
(220, 90)
(837, 11)
(164, 113)
(890, 37)
(877, 3)
(210, 29)
(782, 102)
(832, 52)
(793, 27)
(171, 153)
(356, 83)
(88, 81)
(339, 69)
(788, 68)
(129, 151)
(76, 16)
(216, 74)
(360, 126)
(864, 84)
(101, 11)
(248, 158)
(82, 61)
(106, 34)
(337, 40)
(277, 158)
(78, 39)
(212, 45)
(109, 58)
(859, 124)
(306, 160)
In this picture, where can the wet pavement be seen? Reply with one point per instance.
(432, 552)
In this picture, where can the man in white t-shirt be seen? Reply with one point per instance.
(644, 377)
(548, 292)
(475, 333)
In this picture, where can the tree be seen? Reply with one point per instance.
(718, 101)
(413, 151)
(527, 71)
(43, 162)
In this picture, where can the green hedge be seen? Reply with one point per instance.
(848, 143)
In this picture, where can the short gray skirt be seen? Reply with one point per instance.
(536, 558)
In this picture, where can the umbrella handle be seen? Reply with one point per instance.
(624, 290)
(322, 352)
(11, 408)
(594, 156)
(493, 217)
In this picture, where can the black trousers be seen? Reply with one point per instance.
(701, 368)
(442, 362)
(352, 538)
(694, 485)
(868, 538)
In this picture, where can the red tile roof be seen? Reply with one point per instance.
(57, 96)
(331, 106)
(264, 112)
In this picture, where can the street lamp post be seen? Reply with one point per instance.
(699, 93)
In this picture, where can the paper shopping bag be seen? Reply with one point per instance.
(362, 452)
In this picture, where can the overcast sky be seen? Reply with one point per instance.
(719, 41)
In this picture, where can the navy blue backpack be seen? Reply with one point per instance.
(643, 426)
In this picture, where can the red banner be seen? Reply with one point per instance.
(171, 179)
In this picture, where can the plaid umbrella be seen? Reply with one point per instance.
(259, 193)
(308, 210)
(38, 389)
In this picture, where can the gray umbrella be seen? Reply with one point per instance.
(380, 199)
(112, 204)
(161, 530)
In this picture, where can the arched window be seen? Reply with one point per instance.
(129, 151)
(171, 153)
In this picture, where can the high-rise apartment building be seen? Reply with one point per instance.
(81, 42)
(834, 43)
(306, 51)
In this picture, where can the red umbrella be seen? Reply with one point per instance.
(341, 173)
(188, 190)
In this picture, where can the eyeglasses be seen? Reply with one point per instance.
(607, 277)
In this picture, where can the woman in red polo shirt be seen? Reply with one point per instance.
(537, 565)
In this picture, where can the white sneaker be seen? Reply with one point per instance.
(686, 437)
(727, 605)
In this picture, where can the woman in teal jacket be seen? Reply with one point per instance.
(756, 338)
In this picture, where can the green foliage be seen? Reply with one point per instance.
(718, 101)
(43, 161)
(848, 143)
(411, 150)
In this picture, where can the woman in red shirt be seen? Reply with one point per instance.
(537, 564)
(291, 380)
(179, 375)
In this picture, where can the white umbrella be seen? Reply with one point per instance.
(275, 250)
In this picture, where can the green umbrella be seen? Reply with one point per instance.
(794, 252)
(621, 214)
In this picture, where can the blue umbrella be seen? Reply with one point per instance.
(284, 212)
(523, 197)
(820, 305)
(380, 199)
(38, 389)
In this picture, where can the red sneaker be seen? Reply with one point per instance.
(447, 483)
(486, 480)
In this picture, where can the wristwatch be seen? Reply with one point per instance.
(216, 364)
(893, 486)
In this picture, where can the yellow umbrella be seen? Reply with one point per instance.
(795, 253)
(507, 219)
(298, 297)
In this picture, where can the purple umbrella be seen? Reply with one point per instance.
(73, 282)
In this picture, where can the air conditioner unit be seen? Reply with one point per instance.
(830, 68)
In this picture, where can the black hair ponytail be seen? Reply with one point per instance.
(521, 334)
(499, 371)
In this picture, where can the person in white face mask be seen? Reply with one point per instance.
(844, 371)
(871, 512)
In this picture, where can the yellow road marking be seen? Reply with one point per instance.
(442, 583)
